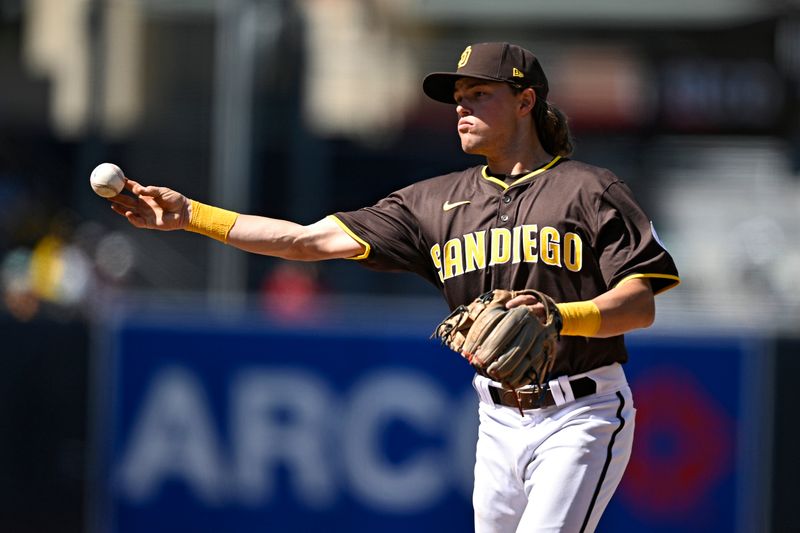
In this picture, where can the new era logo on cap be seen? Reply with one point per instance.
(489, 61)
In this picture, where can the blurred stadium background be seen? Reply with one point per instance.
(297, 109)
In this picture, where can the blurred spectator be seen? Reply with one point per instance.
(290, 292)
(64, 271)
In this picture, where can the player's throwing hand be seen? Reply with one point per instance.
(152, 207)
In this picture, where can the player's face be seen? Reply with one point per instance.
(487, 116)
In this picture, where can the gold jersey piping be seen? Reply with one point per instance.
(676, 280)
(529, 175)
(359, 240)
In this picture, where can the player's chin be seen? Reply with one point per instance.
(469, 146)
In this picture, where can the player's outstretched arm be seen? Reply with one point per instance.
(281, 238)
(164, 209)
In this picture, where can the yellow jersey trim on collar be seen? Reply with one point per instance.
(359, 240)
(527, 176)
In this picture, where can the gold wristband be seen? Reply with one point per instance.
(581, 319)
(211, 221)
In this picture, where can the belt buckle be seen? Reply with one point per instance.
(533, 397)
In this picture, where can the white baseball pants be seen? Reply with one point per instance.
(556, 468)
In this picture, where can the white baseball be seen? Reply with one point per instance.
(107, 180)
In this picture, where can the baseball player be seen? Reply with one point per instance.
(530, 218)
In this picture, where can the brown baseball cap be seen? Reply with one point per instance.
(489, 61)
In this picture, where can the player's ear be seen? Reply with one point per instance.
(526, 99)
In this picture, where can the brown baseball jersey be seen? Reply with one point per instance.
(568, 229)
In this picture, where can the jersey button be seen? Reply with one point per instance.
(504, 218)
(506, 199)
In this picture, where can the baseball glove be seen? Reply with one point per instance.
(510, 346)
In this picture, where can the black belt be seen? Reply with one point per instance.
(536, 398)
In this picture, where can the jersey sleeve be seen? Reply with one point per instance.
(390, 234)
(627, 244)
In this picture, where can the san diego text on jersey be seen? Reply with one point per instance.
(521, 244)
